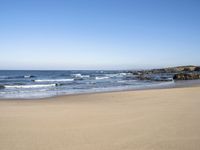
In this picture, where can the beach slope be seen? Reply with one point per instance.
(133, 120)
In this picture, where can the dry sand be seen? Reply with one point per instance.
(167, 119)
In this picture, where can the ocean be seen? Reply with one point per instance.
(41, 84)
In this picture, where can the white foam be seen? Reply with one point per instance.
(30, 86)
(101, 78)
(78, 75)
(111, 75)
(54, 80)
(27, 76)
(121, 81)
(85, 76)
(120, 75)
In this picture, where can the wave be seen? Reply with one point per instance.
(76, 75)
(29, 76)
(14, 77)
(54, 80)
(121, 81)
(17, 77)
(3, 77)
(122, 74)
(79, 76)
(30, 86)
(111, 75)
(116, 75)
(101, 78)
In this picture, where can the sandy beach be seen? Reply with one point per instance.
(134, 120)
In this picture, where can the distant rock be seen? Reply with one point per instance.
(197, 69)
(186, 76)
(168, 74)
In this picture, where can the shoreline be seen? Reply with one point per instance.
(182, 84)
(99, 93)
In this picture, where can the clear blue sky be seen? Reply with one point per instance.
(99, 34)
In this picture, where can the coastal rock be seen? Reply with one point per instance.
(155, 77)
(169, 74)
(143, 77)
(197, 69)
(185, 68)
(186, 76)
(2, 86)
(162, 78)
(156, 71)
(188, 69)
(171, 70)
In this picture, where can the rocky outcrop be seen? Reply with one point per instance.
(197, 69)
(169, 74)
(174, 70)
(186, 76)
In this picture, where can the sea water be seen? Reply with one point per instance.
(41, 84)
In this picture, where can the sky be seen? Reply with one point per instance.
(98, 34)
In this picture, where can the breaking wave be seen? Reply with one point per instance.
(30, 86)
(54, 80)
(101, 78)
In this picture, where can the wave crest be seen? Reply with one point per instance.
(101, 78)
(54, 80)
(30, 86)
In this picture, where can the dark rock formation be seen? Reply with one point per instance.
(2, 87)
(155, 77)
(144, 77)
(163, 79)
(179, 69)
(168, 74)
(186, 76)
(187, 70)
(197, 69)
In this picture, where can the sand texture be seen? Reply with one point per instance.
(166, 119)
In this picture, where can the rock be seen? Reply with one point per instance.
(61, 84)
(155, 77)
(136, 73)
(156, 71)
(197, 69)
(143, 77)
(162, 79)
(184, 68)
(170, 70)
(2, 86)
(186, 76)
(168, 74)
(32, 76)
(187, 70)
